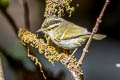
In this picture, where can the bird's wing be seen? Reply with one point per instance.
(72, 31)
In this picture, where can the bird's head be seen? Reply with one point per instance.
(50, 23)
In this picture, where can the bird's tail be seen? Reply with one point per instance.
(96, 36)
(99, 36)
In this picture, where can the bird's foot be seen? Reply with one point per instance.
(71, 56)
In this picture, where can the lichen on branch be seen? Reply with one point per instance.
(52, 53)
(58, 8)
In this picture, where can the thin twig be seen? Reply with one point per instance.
(26, 14)
(10, 20)
(1, 70)
(95, 29)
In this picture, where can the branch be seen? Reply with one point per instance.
(10, 20)
(26, 14)
(1, 68)
(52, 52)
(95, 29)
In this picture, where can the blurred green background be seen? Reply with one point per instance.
(101, 63)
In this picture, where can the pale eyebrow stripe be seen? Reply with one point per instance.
(53, 25)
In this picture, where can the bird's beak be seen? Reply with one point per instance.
(40, 30)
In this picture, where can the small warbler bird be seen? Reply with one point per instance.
(66, 34)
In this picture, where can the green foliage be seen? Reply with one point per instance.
(4, 3)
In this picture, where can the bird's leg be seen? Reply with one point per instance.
(71, 56)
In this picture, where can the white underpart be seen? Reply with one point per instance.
(67, 44)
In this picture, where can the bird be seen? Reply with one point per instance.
(66, 34)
